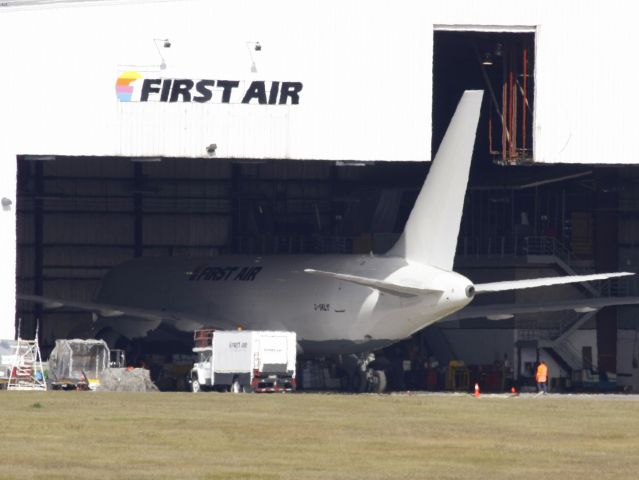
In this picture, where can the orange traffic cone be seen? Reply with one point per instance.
(476, 394)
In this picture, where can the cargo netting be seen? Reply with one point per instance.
(78, 360)
(126, 380)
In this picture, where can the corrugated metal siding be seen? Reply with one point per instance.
(200, 230)
(65, 228)
(365, 65)
(366, 93)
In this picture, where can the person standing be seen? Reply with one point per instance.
(542, 377)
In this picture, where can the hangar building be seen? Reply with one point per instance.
(180, 127)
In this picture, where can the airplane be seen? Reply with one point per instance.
(337, 304)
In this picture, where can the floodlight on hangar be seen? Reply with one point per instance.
(253, 46)
(165, 44)
(6, 204)
(146, 159)
(350, 163)
(39, 158)
(487, 59)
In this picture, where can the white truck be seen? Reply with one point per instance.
(244, 361)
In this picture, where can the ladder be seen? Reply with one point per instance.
(26, 371)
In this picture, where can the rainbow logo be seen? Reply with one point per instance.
(124, 87)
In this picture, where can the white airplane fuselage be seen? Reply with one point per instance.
(274, 293)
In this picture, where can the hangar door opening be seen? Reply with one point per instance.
(78, 217)
(502, 64)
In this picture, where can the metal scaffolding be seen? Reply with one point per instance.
(26, 371)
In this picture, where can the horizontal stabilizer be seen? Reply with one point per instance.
(381, 285)
(507, 311)
(543, 282)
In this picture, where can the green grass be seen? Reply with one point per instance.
(220, 436)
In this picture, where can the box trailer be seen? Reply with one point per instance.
(244, 361)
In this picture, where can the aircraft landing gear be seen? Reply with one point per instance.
(377, 381)
(369, 381)
(365, 374)
(348, 373)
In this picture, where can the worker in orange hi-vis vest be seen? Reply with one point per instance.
(542, 377)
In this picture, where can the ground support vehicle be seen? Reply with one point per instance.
(244, 361)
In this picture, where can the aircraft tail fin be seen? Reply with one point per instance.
(430, 235)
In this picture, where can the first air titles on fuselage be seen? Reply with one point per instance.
(223, 274)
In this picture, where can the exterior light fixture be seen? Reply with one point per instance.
(253, 47)
(39, 158)
(6, 204)
(349, 163)
(146, 159)
(165, 44)
(487, 59)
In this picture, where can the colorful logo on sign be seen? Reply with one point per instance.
(185, 90)
(124, 85)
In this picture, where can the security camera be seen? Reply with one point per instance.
(258, 47)
(211, 149)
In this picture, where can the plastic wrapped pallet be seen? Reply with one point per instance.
(75, 359)
(126, 380)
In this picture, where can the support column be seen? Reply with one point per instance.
(234, 244)
(38, 252)
(605, 251)
(138, 181)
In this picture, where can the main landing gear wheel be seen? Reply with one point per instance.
(377, 381)
(371, 381)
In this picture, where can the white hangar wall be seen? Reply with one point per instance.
(365, 94)
(365, 67)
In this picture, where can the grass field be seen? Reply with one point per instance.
(219, 436)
